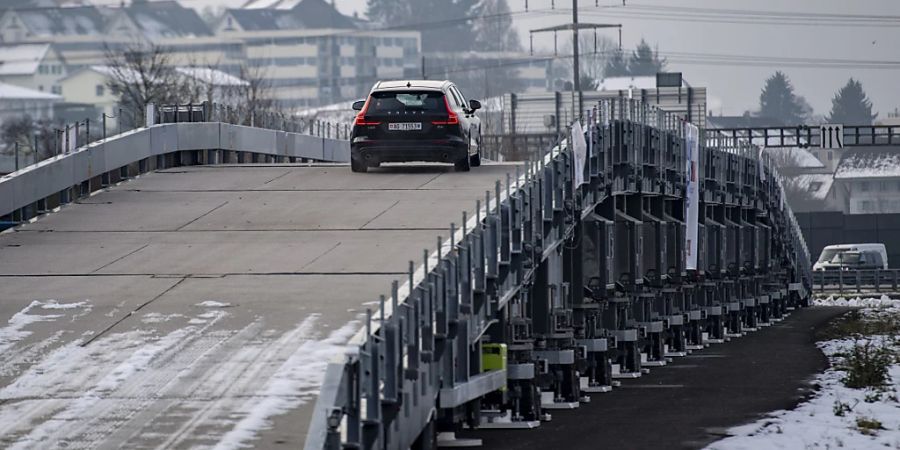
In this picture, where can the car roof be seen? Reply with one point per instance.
(411, 85)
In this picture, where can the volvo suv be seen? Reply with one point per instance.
(417, 120)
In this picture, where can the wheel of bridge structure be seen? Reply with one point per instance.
(475, 160)
(357, 165)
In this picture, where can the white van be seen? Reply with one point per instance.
(852, 257)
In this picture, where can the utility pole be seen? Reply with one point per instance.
(575, 26)
(577, 76)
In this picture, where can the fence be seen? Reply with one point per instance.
(855, 281)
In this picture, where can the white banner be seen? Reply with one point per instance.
(579, 151)
(692, 202)
(71, 139)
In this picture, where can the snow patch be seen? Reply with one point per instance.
(213, 304)
(15, 331)
(293, 384)
(156, 317)
(858, 302)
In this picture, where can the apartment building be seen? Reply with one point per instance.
(313, 55)
(309, 53)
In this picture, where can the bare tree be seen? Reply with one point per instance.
(31, 135)
(595, 50)
(256, 95)
(141, 74)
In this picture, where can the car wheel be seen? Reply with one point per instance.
(358, 166)
(463, 165)
(475, 160)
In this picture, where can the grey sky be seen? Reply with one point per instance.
(738, 87)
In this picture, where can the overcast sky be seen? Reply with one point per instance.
(738, 87)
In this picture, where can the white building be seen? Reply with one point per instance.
(34, 66)
(17, 101)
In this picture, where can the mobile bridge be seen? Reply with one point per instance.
(485, 299)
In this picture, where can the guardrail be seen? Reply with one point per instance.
(41, 187)
(856, 281)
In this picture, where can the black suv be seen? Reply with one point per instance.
(404, 121)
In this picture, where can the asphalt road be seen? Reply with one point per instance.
(691, 402)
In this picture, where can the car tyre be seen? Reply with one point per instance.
(358, 166)
(463, 165)
(475, 160)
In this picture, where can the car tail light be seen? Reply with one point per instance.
(452, 118)
(361, 117)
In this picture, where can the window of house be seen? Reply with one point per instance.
(883, 185)
(41, 88)
(56, 90)
(864, 186)
(100, 90)
(42, 69)
(815, 186)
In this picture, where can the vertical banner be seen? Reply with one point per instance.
(71, 139)
(579, 151)
(692, 202)
(150, 115)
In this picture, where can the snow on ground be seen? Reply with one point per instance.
(836, 416)
(199, 384)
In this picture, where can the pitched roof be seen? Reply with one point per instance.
(266, 19)
(869, 163)
(166, 19)
(817, 185)
(79, 20)
(308, 14)
(11, 92)
(202, 74)
(21, 59)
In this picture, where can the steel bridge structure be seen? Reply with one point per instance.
(556, 277)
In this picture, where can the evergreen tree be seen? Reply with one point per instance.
(644, 61)
(851, 106)
(778, 101)
(616, 65)
(494, 30)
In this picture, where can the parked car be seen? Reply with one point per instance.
(852, 257)
(416, 120)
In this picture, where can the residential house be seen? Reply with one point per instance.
(17, 101)
(869, 178)
(34, 66)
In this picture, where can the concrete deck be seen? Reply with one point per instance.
(199, 306)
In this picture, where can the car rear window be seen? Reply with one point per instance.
(428, 101)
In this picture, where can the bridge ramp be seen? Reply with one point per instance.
(199, 306)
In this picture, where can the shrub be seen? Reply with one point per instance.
(867, 365)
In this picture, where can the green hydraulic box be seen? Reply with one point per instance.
(493, 357)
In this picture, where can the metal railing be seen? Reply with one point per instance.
(65, 138)
(856, 281)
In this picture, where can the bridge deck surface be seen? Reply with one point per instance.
(198, 306)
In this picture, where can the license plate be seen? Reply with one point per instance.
(405, 126)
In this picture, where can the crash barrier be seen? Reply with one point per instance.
(590, 263)
(63, 178)
(855, 281)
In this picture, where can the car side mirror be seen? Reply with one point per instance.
(358, 105)
(474, 105)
